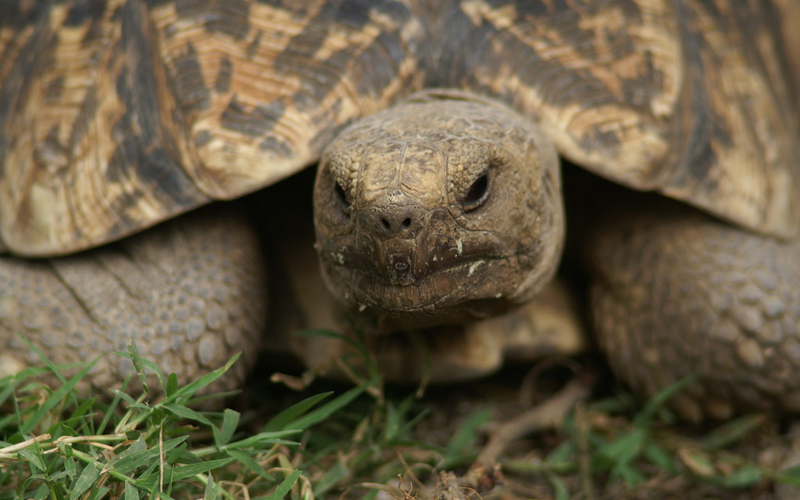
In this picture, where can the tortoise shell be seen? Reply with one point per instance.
(118, 114)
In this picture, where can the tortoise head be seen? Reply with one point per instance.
(444, 209)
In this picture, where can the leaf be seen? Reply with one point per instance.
(629, 474)
(560, 490)
(263, 438)
(732, 431)
(172, 384)
(55, 398)
(49, 364)
(42, 492)
(697, 462)
(283, 489)
(230, 421)
(564, 452)
(659, 457)
(137, 446)
(281, 420)
(394, 418)
(136, 358)
(34, 458)
(406, 429)
(9, 385)
(187, 413)
(790, 476)
(69, 466)
(213, 490)
(130, 492)
(748, 475)
(328, 409)
(465, 436)
(645, 416)
(184, 471)
(99, 493)
(332, 477)
(85, 481)
(109, 412)
(626, 448)
(209, 378)
(250, 462)
(136, 459)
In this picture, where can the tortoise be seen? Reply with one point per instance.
(438, 127)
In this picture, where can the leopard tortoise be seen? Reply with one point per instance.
(438, 127)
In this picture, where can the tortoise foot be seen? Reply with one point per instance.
(189, 292)
(677, 293)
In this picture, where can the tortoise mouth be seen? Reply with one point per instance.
(459, 292)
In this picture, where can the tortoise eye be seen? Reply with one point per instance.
(477, 194)
(340, 194)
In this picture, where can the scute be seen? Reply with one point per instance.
(602, 78)
(737, 155)
(688, 98)
(116, 115)
(150, 111)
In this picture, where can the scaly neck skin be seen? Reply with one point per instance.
(444, 209)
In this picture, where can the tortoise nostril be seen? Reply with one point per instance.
(397, 221)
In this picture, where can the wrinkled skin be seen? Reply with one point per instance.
(437, 212)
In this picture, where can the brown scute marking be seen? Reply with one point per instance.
(276, 145)
(154, 170)
(651, 76)
(27, 63)
(123, 224)
(297, 76)
(231, 17)
(202, 138)
(252, 49)
(573, 68)
(84, 11)
(157, 162)
(698, 154)
(375, 74)
(85, 117)
(325, 136)
(605, 79)
(736, 155)
(253, 123)
(330, 72)
(158, 170)
(785, 14)
(188, 77)
(583, 23)
(85, 172)
(223, 83)
(53, 153)
(54, 89)
(188, 8)
(18, 15)
(298, 9)
(94, 31)
(708, 126)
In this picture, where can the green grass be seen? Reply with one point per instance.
(57, 444)
(354, 443)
